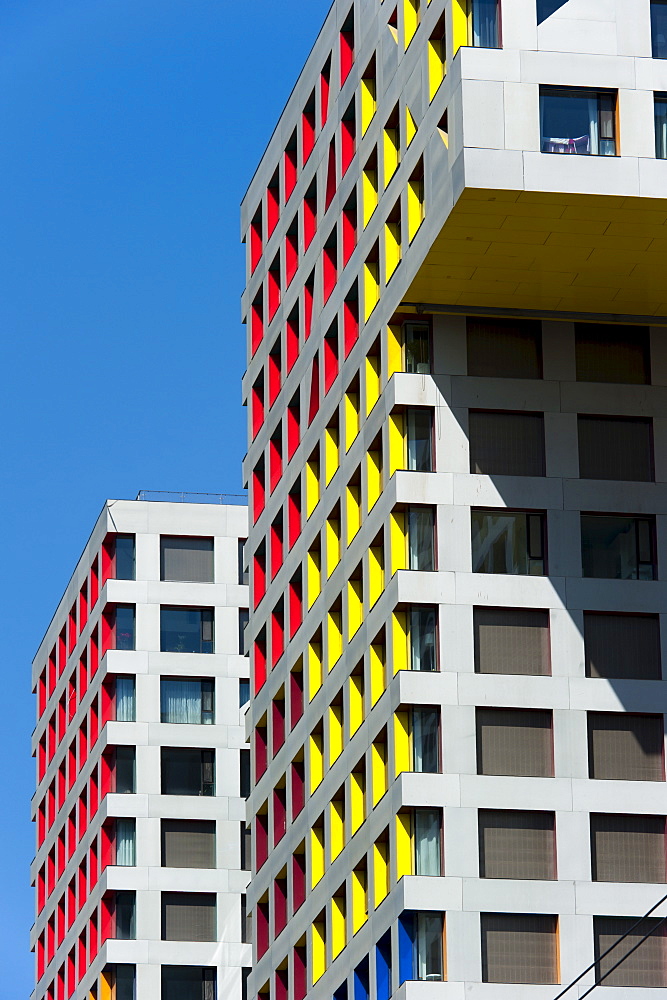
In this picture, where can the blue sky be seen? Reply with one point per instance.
(129, 130)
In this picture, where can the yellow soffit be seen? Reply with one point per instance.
(549, 252)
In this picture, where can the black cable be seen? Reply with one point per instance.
(621, 960)
(610, 948)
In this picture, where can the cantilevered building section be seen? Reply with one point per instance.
(142, 687)
(457, 397)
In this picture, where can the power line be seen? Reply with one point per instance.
(627, 955)
(611, 948)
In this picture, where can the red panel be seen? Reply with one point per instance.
(83, 815)
(92, 865)
(255, 241)
(329, 271)
(83, 607)
(262, 920)
(330, 188)
(83, 676)
(298, 880)
(107, 773)
(62, 652)
(273, 288)
(108, 629)
(295, 607)
(347, 143)
(41, 889)
(93, 798)
(41, 824)
(261, 840)
(82, 889)
(71, 629)
(106, 917)
(275, 462)
(256, 324)
(277, 725)
(274, 375)
(272, 209)
(71, 973)
(94, 722)
(94, 583)
(309, 221)
(257, 407)
(93, 939)
(259, 578)
(51, 872)
(258, 492)
(279, 906)
(298, 788)
(71, 697)
(51, 739)
(346, 54)
(62, 717)
(106, 845)
(291, 257)
(50, 940)
(52, 678)
(93, 652)
(293, 429)
(349, 233)
(279, 815)
(325, 84)
(299, 973)
(277, 635)
(330, 348)
(108, 554)
(259, 663)
(41, 694)
(260, 752)
(81, 958)
(289, 164)
(282, 980)
(291, 344)
(71, 765)
(71, 834)
(60, 853)
(276, 547)
(40, 957)
(60, 921)
(296, 697)
(308, 292)
(41, 759)
(83, 744)
(108, 697)
(350, 324)
(293, 518)
(51, 805)
(71, 904)
(314, 401)
(60, 990)
(62, 784)
(307, 134)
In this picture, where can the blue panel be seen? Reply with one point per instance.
(383, 967)
(361, 980)
(341, 992)
(406, 943)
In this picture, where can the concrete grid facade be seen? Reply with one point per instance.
(407, 238)
(139, 877)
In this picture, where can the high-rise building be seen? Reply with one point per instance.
(142, 688)
(456, 385)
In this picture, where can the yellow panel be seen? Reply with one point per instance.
(351, 418)
(356, 702)
(398, 539)
(415, 207)
(316, 761)
(392, 248)
(403, 845)
(371, 288)
(375, 574)
(392, 153)
(377, 671)
(402, 755)
(312, 485)
(353, 510)
(335, 638)
(332, 535)
(410, 20)
(359, 899)
(397, 442)
(316, 855)
(379, 771)
(319, 951)
(314, 575)
(314, 668)
(436, 65)
(369, 194)
(338, 931)
(330, 453)
(394, 349)
(410, 126)
(357, 800)
(336, 828)
(335, 733)
(400, 634)
(106, 985)
(368, 102)
(372, 380)
(380, 871)
(373, 477)
(459, 24)
(355, 606)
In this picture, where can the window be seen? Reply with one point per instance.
(545, 8)
(124, 556)
(244, 773)
(125, 768)
(514, 844)
(627, 848)
(625, 747)
(244, 691)
(420, 940)
(646, 966)
(123, 626)
(125, 699)
(126, 837)
(426, 740)
(187, 559)
(514, 741)
(186, 982)
(189, 916)
(608, 353)
(188, 843)
(616, 448)
(423, 637)
(506, 541)
(506, 444)
(617, 547)
(519, 948)
(660, 118)
(243, 572)
(622, 646)
(417, 349)
(504, 348)
(511, 641)
(187, 771)
(427, 841)
(186, 630)
(246, 847)
(659, 28)
(122, 980)
(421, 538)
(125, 915)
(486, 23)
(578, 121)
(187, 701)
(244, 618)
(420, 440)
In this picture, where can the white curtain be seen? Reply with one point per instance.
(125, 842)
(427, 842)
(429, 946)
(593, 131)
(425, 740)
(420, 538)
(125, 705)
(180, 701)
(661, 130)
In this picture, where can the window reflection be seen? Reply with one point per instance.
(660, 115)
(508, 542)
(577, 121)
(617, 548)
(659, 28)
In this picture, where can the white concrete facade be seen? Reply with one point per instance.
(81, 958)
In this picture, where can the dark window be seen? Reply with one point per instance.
(646, 966)
(421, 538)
(515, 741)
(125, 912)
(244, 691)
(545, 8)
(423, 637)
(244, 618)
(504, 348)
(124, 626)
(420, 440)
(188, 700)
(660, 118)
(246, 847)
(189, 916)
(511, 641)
(617, 547)
(187, 982)
(244, 773)
(125, 568)
(622, 646)
(578, 121)
(659, 28)
(608, 353)
(506, 541)
(188, 843)
(519, 948)
(243, 573)
(189, 559)
(627, 848)
(486, 23)
(616, 448)
(417, 349)
(186, 630)
(123, 978)
(506, 444)
(125, 768)
(514, 844)
(625, 747)
(187, 771)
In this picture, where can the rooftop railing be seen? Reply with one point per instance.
(173, 496)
